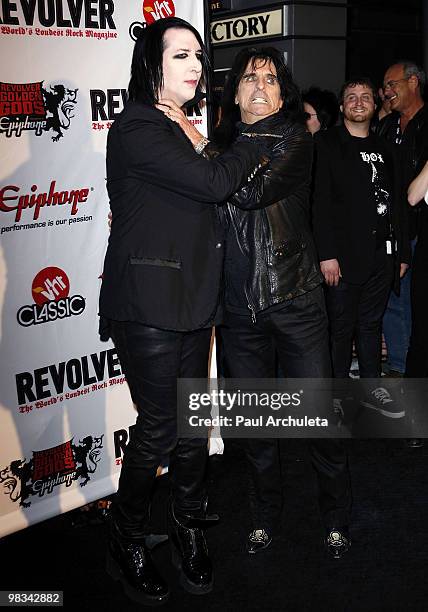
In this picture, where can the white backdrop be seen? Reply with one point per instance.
(65, 409)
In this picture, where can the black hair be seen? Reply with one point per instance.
(325, 104)
(146, 66)
(229, 111)
(366, 81)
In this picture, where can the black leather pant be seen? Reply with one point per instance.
(298, 334)
(152, 360)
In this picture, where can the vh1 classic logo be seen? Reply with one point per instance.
(31, 107)
(50, 290)
(153, 10)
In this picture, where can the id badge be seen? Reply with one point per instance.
(388, 247)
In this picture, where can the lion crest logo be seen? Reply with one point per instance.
(60, 103)
(34, 107)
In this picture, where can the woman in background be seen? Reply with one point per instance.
(418, 188)
(321, 108)
(417, 357)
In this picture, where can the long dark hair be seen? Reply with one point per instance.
(229, 111)
(146, 67)
(325, 104)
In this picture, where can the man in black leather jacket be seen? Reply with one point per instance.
(273, 295)
(407, 127)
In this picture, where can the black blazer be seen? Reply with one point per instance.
(164, 259)
(344, 218)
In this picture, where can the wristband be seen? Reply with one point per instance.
(201, 144)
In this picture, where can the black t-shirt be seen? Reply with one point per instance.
(372, 156)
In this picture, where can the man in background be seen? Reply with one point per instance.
(358, 219)
(406, 127)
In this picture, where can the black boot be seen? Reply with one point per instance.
(190, 552)
(130, 562)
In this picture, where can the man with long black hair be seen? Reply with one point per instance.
(273, 296)
(160, 296)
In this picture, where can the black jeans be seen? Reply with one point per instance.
(356, 311)
(152, 360)
(298, 334)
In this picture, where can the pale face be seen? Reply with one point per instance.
(312, 123)
(181, 65)
(259, 93)
(358, 104)
(397, 88)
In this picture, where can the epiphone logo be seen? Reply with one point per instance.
(36, 201)
(96, 14)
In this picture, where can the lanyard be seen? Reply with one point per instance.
(398, 134)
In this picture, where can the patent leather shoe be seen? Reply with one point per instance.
(130, 563)
(190, 552)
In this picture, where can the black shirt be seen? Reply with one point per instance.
(236, 273)
(372, 157)
(412, 145)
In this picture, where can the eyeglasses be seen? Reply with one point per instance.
(392, 84)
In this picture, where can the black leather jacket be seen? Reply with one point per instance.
(414, 153)
(414, 143)
(271, 216)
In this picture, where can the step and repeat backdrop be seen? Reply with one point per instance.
(65, 409)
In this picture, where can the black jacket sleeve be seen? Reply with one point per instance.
(323, 226)
(158, 156)
(400, 212)
(288, 169)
